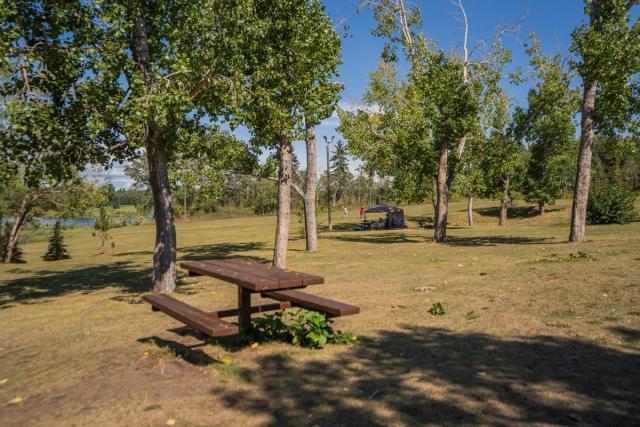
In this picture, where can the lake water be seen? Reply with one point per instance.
(73, 222)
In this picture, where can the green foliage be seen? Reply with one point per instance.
(17, 257)
(546, 126)
(610, 204)
(436, 309)
(103, 224)
(606, 52)
(291, 61)
(57, 249)
(298, 327)
(340, 174)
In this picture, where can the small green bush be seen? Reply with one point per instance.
(612, 204)
(57, 250)
(436, 309)
(298, 327)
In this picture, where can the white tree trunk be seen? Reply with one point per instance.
(310, 225)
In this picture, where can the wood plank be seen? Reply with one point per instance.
(258, 270)
(230, 312)
(232, 276)
(191, 316)
(313, 302)
(287, 278)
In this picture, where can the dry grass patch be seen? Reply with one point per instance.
(535, 330)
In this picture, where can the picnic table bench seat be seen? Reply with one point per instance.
(191, 316)
(250, 277)
(313, 302)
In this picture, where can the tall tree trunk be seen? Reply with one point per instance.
(442, 196)
(540, 208)
(434, 199)
(583, 174)
(164, 254)
(504, 203)
(284, 203)
(310, 192)
(470, 210)
(329, 190)
(21, 215)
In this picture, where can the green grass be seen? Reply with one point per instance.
(532, 331)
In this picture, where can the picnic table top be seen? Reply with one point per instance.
(252, 275)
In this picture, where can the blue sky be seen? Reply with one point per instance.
(551, 20)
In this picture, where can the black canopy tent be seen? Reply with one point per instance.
(394, 213)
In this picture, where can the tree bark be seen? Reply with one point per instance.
(284, 203)
(21, 215)
(470, 210)
(310, 193)
(541, 208)
(583, 174)
(442, 196)
(504, 203)
(164, 254)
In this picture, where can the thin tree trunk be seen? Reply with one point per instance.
(504, 203)
(164, 254)
(284, 203)
(470, 210)
(25, 207)
(442, 201)
(329, 190)
(434, 199)
(186, 214)
(310, 192)
(583, 174)
(541, 208)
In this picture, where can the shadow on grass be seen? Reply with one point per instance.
(45, 285)
(221, 250)
(629, 335)
(187, 353)
(516, 212)
(497, 240)
(377, 238)
(419, 376)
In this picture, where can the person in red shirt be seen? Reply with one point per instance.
(361, 213)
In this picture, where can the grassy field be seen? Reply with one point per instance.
(536, 330)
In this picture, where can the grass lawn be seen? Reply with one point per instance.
(536, 330)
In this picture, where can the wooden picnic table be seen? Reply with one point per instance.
(250, 277)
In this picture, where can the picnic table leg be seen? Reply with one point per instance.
(244, 308)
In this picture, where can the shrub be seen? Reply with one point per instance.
(57, 250)
(298, 327)
(612, 204)
(436, 309)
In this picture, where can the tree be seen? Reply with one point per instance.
(501, 157)
(26, 198)
(16, 256)
(102, 226)
(295, 57)
(45, 138)
(56, 250)
(340, 171)
(151, 73)
(442, 92)
(546, 126)
(608, 64)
